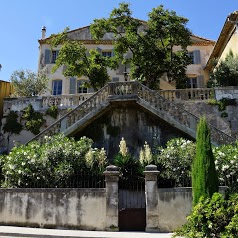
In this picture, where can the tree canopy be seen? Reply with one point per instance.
(148, 46)
(79, 61)
(226, 72)
(27, 83)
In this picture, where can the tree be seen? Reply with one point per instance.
(79, 61)
(27, 83)
(148, 46)
(226, 73)
(204, 176)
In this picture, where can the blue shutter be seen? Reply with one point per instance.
(47, 56)
(196, 57)
(72, 85)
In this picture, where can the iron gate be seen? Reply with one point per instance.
(132, 211)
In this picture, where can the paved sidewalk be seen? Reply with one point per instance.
(12, 231)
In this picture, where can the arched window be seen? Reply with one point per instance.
(57, 87)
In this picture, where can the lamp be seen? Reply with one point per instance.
(125, 74)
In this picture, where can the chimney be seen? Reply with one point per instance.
(43, 31)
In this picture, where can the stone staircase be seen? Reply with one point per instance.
(151, 100)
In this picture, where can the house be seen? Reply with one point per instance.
(199, 51)
(227, 41)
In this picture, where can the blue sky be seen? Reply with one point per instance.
(21, 22)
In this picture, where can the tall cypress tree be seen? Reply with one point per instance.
(204, 175)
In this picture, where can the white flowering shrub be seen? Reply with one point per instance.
(226, 162)
(52, 163)
(174, 162)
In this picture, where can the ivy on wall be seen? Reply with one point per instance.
(34, 120)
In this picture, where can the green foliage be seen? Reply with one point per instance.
(27, 83)
(225, 73)
(208, 218)
(174, 162)
(222, 103)
(212, 217)
(53, 163)
(204, 175)
(226, 161)
(224, 114)
(148, 46)
(52, 111)
(12, 126)
(78, 61)
(34, 120)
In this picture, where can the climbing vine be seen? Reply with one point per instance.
(34, 120)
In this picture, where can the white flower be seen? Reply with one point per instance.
(123, 148)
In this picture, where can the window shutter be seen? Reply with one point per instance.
(200, 81)
(196, 57)
(47, 56)
(72, 85)
(99, 50)
(113, 52)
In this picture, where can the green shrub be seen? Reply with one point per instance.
(204, 175)
(51, 164)
(52, 111)
(34, 120)
(174, 162)
(12, 126)
(212, 217)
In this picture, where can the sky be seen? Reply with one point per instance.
(21, 22)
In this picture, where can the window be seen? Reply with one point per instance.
(54, 56)
(51, 56)
(195, 56)
(192, 83)
(57, 87)
(107, 53)
(80, 88)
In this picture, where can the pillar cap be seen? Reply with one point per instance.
(112, 168)
(151, 167)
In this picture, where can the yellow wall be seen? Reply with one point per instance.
(231, 45)
(5, 90)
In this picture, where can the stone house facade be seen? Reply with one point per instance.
(200, 51)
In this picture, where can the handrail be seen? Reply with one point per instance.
(153, 98)
(68, 114)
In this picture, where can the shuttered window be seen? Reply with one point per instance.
(51, 56)
(57, 87)
(72, 85)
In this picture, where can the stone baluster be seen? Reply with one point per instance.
(112, 177)
(151, 193)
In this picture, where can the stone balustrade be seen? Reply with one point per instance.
(163, 106)
(187, 94)
(70, 100)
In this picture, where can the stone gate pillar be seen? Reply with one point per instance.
(112, 177)
(151, 196)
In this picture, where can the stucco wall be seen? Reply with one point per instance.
(75, 208)
(231, 45)
(174, 204)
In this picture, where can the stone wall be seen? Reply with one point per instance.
(134, 123)
(71, 208)
(174, 204)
